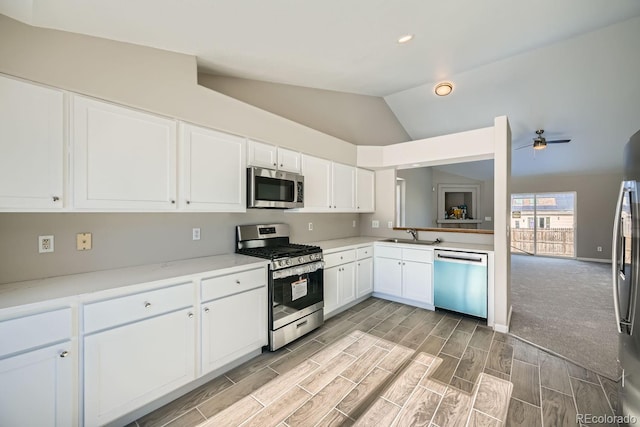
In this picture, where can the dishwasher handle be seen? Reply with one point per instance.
(462, 257)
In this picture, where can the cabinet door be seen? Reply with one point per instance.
(31, 143)
(132, 365)
(417, 281)
(331, 289)
(347, 283)
(388, 276)
(123, 159)
(317, 183)
(288, 160)
(263, 155)
(365, 190)
(213, 175)
(344, 185)
(233, 327)
(365, 277)
(37, 388)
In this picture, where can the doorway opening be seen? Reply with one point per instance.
(544, 224)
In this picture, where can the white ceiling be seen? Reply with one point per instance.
(504, 57)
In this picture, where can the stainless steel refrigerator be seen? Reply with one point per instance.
(626, 271)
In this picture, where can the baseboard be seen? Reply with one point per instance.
(606, 261)
(404, 301)
(504, 328)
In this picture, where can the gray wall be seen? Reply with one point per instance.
(360, 119)
(596, 199)
(128, 239)
(418, 197)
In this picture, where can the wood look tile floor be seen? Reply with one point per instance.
(382, 363)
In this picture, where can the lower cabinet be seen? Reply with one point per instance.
(339, 280)
(130, 366)
(364, 272)
(232, 327)
(406, 273)
(37, 386)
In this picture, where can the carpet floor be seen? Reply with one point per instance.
(566, 306)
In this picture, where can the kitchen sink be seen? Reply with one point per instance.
(413, 242)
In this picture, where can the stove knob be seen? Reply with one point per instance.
(301, 259)
(288, 262)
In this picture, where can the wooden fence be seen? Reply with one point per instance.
(554, 242)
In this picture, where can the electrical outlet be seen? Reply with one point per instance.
(599, 249)
(390, 224)
(375, 224)
(83, 241)
(195, 234)
(45, 244)
(310, 226)
(354, 224)
(487, 218)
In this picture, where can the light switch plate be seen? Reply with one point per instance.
(83, 241)
(310, 226)
(487, 218)
(390, 224)
(354, 224)
(375, 224)
(195, 234)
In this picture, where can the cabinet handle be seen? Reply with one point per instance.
(64, 354)
(206, 309)
(358, 207)
(399, 263)
(237, 281)
(275, 164)
(56, 198)
(173, 202)
(147, 304)
(188, 202)
(281, 165)
(190, 315)
(340, 257)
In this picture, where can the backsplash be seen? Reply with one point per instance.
(128, 239)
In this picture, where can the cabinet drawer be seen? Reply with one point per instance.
(365, 252)
(36, 330)
(417, 255)
(117, 311)
(338, 258)
(389, 252)
(228, 284)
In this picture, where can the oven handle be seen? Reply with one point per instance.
(298, 270)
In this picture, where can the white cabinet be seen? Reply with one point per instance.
(365, 190)
(147, 350)
(122, 158)
(328, 186)
(364, 271)
(32, 146)
(234, 317)
(213, 170)
(38, 381)
(339, 280)
(405, 273)
(272, 157)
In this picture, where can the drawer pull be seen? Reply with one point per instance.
(301, 324)
(206, 309)
(190, 315)
(237, 281)
(56, 198)
(64, 354)
(147, 304)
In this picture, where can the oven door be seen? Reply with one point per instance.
(269, 188)
(295, 293)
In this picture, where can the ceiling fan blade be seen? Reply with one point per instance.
(524, 146)
(558, 141)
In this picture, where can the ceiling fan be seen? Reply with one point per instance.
(540, 142)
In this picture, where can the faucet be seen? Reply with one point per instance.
(414, 233)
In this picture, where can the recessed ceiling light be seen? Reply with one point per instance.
(443, 88)
(405, 39)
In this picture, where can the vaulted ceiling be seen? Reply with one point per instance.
(570, 67)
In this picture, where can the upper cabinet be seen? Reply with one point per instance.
(32, 146)
(213, 170)
(123, 158)
(365, 190)
(272, 157)
(344, 187)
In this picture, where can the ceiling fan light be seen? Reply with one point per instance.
(539, 145)
(443, 89)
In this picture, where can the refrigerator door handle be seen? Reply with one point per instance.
(614, 248)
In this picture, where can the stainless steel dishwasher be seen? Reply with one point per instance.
(460, 282)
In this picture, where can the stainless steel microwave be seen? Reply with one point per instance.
(268, 188)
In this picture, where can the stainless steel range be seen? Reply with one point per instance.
(295, 280)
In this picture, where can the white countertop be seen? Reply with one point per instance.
(329, 246)
(75, 285)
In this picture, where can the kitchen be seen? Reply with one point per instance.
(139, 238)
